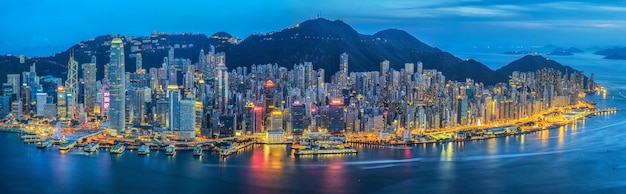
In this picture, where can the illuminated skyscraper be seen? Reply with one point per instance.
(71, 84)
(116, 76)
(90, 87)
(336, 114)
(61, 102)
(297, 117)
(222, 86)
(343, 70)
(174, 107)
(187, 119)
(14, 80)
(277, 120)
(41, 104)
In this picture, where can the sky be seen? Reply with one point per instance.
(44, 27)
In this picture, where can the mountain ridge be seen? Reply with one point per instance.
(319, 41)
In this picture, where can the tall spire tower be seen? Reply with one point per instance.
(71, 84)
(117, 114)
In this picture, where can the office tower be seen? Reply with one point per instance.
(277, 120)
(420, 67)
(138, 62)
(187, 119)
(248, 118)
(61, 102)
(14, 80)
(90, 88)
(343, 71)
(336, 115)
(222, 87)
(297, 117)
(384, 68)
(170, 56)
(71, 85)
(161, 112)
(269, 96)
(41, 104)
(137, 106)
(117, 112)
(173, 107)
(188, 82)
(409, 68)
(5, 106)
(172, 75)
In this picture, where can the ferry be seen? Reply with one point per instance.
(118, 149)
(44, 144)
(170, 150)
(143, 150)
(92, 147)
(197, 151)
(227, 151)
(297, 147)
(67, 146)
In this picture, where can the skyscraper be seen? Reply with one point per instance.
(336, 114)
(222, 86)
(343, 70)
(71, 84)
(187, 119)
(41, 104)
(61, 102)
(116, 76)
(14, 80)
(91, 90)
(297, 117)
(173, 107)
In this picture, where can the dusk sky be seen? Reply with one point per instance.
(43, 27)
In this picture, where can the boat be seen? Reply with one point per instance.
(67, 146)
(227, 151)
(197, 151)
(118, 149)
(44, 144)
(91, 147)
(143, 150)
(297, 147)
(170, 150)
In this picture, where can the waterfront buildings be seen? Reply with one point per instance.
(185, 99)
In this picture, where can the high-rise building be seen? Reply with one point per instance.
(138, 62)
(117, 87)
(61, 102)
(336, 116)
(187, 119)
(343, 71)
(420, 68)
(170, 57)
(277, 120)
(71, 84)
(297, 117)
(14, 80)
(41, 104)
(222, 86)
(173, 107)
(90, 87)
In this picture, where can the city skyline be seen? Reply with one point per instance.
(451, 25)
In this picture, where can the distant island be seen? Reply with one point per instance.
(616, 53)
(565, 52)
(522, 52)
